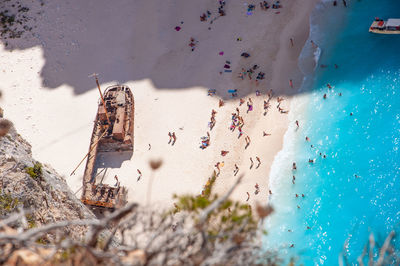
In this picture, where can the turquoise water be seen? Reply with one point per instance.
(339, 207)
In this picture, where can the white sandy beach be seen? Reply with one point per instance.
(52, 102)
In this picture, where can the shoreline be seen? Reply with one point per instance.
(59, 121)
(286, 68)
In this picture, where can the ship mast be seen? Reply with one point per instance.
(101, 95)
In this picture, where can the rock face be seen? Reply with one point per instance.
(36, 187)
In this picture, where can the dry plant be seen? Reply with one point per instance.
(135, 235)
(373, 253)
(5, 126)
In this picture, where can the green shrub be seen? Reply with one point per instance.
(8, 203)
(35, 172)
(229, 216)
(31, 221)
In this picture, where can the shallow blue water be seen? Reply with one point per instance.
(355, 190)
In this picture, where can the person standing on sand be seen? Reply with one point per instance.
(249, 105)
(247, 139)
(259, 162)
(217, 166)
(140, 175)
(313, 44)
(266, 107)
(236, 169)
(248, 196)
(291, 83)
(240, 132)
(297, 123)
(291, 42)
(116, 178)
(170, 137)
(252, 163)
(241, 101)
(174, 138)
(220, 103)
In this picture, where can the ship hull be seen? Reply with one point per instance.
(384, 31)
(112, 131)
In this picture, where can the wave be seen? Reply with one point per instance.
(317, 56)
(280, 178)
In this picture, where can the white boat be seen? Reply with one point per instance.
(390, 26)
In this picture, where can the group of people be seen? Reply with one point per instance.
(221, 11)
(281, 110)
(193, 43)
(205, 141)
(212, 122)
(221, 8)
(252, 162)
(237, 122)
(249, 73)
(264, 5)
(172, 138)
(205, 16)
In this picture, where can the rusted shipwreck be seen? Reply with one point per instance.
(112, 131)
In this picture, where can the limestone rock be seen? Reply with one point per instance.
(47, 194)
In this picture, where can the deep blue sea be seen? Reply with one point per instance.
(355, 190)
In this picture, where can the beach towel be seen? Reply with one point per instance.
(228, 70)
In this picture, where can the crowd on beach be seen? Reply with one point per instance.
(252, 73)
(237, 122)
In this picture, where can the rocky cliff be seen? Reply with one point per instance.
(26, 183)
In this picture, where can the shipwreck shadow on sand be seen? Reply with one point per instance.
(112, 159)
